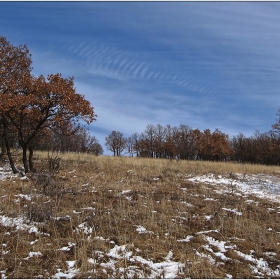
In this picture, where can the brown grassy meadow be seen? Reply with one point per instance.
(102, 212)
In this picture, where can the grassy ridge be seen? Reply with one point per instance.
(195, 167)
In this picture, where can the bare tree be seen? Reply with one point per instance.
(130, 146)
(115, 143)
(160, 134)
(150, 137)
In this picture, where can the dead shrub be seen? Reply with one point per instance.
(41, 180)
(36, 212)
(53, 164)
(48, 184)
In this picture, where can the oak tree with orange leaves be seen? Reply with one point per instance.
(15, 68)
(39, 104)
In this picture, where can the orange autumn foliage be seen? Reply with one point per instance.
(30, 105)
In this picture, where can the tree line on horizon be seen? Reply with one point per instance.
(183, 142)
(45, 113)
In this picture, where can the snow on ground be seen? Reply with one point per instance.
(167, 269)
(19, 222)
(68, 274)
(6, 172)
(261, 185)
(265, 186)
(141, 230)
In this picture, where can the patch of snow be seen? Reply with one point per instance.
(250, 201)
(68, 274)
(27, 197)
(260, 266)
(218, 244)
(208, 217)
(258, 184)
(141, 230)
(71, 263)
(21, 223)
(33, 254)
(169, 256)
(3, 272)
(92, 261)
(210, 199)
(208, 231)
(33, 242)
(84, 228)
(67, 248)
(99, 238)
(205, 256)
(4, 252)
(117, 250)
(34, 229)
(88, 208)
(233, 210)
(166, 269)
(125, 191)
(7, 173)
(187, 239)
(270, 254)
(64, 249)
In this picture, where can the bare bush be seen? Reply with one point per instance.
(53, 164)
(38, 212)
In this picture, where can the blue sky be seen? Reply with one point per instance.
(202, 64)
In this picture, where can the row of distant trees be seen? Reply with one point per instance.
(79, 141)
(183, 142)
(159, 141)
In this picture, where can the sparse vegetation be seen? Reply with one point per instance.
(117, 217)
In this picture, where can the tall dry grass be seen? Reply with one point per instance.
(191, 167)
(95, 203)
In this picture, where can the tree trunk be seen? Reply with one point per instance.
(24, 159)
(5, 136)
(3, 146)
(30, 159)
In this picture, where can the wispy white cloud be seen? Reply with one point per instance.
(107, 61)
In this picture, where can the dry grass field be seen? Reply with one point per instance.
(105, 217)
